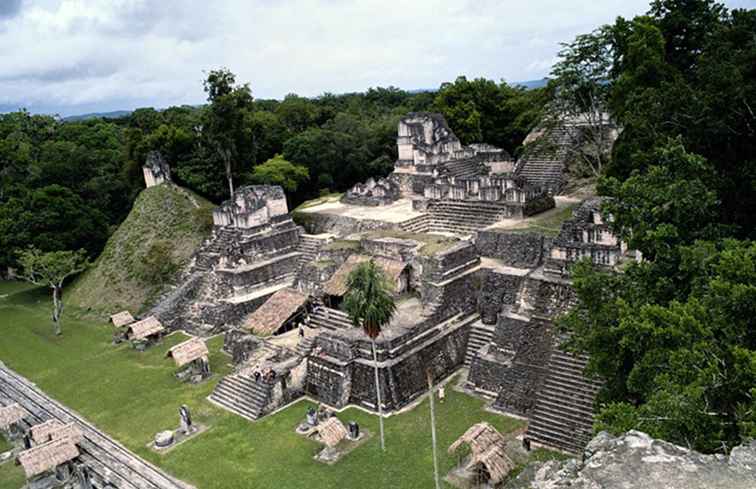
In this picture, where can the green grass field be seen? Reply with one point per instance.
(133, 395)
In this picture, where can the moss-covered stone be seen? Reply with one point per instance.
(162, 231)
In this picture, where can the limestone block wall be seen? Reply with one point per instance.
(498, 292)
(328, 382)
(522, 250)
(318, 223)
(405, 379)
(488, 368)
(395, 248)
(514, 365)
(450, 262)
(274, 242)
(242, 280)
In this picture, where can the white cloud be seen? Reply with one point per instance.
(67, 55)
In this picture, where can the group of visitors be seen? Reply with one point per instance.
(268, 375)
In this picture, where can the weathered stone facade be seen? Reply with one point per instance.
(373, 193)
(156, 170)
(516, 249)
(585, 235)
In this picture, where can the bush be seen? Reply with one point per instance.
(158, 265)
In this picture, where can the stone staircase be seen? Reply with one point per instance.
(329, 319)
(305, 346)
(242, 395)
(419, 224)
(563, 414)
(544, 165)
(309, 246)
(480, 335)
(470, 167)
(464, 217)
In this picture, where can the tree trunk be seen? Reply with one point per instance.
(229, 176)
(378, 394)
(57, 308)
(433, 429)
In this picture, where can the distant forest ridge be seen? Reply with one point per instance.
(115, 114)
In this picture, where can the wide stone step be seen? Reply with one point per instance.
(234, 408)
(244, 398)
(570, 390)
(562, 407)
(572, 377)
(547, 438)
(561, 426)
(227, 399)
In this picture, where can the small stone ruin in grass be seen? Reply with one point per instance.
(167, 439)
(339, 439)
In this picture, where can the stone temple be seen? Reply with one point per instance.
(476, 291)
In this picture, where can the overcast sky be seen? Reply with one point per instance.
(76, 56)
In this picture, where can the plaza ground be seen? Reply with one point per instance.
(133, 395)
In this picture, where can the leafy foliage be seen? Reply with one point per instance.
(682, 365)
(278, 171)
(368, 300)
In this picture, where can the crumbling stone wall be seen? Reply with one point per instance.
(405, 379)
(522, 250)
(318, 223)
(498, 292)
(328, 382)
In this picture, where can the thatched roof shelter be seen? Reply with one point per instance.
(47, 456)
(331, 431)
(275, 312)
(487, 449)
(144, 329)
(52, 429)
(11, 414)
(188, 351)
(337, 284)
(121, 319)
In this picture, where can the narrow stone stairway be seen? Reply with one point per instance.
(327, 318)
(242, 395)
(480, 335)
(563, 414)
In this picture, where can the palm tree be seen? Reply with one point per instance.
(370, 305)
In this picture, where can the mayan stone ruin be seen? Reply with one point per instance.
(473, 291)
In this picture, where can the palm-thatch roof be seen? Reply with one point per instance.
(188, 351)
(274, 313)
(144, 328)
(122, 318)
(337, 284)
(47, 456)
(487, 448)
(52, 429)
(331, 431)
(11, 414)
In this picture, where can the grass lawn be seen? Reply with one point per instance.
(548, 223)
(133, 395)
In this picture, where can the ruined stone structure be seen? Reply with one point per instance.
(552, 147)
(156, 170)
(469, 294)
(251, 206)
(381, 192)
(255, 250)
(586, 235)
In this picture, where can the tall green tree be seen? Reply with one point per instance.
(224, 128)
(278, 171)
(370, 305)
(51, 269)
